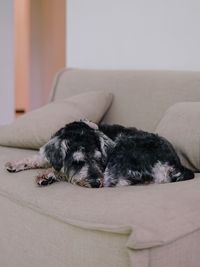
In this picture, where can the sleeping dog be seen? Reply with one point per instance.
(88, 155)
(140, 157)
(77, 153)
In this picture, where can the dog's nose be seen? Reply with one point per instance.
(96, 183)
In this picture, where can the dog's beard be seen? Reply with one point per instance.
(89, 175)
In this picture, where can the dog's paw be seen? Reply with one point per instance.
(15, 167)
(41, 180)
(45, 179)
(10, 167)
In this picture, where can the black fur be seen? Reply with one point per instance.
(140, 157)
(109, 155)
(81, 151)
(113, 155)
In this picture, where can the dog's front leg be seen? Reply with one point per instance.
(32, 162)
(49, 176)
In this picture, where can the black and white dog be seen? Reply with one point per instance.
(94, 156)
(140, 157)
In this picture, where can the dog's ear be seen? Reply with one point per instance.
(55, 152)
(90, 124)
(106, 144)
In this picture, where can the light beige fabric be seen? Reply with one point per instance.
(35, 128)
(183, 252)
(181, 126)
(31, 239)
(173, 209)
(65, 225)
(137, 226)
(140, 97)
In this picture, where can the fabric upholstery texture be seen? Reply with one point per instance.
(35, 128)
(111, 209)
(32, 239)
(140, 97)
(181, 126)
(140, 226)
(128, 226)
(182, 252)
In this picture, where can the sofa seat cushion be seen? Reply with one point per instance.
(151, 215)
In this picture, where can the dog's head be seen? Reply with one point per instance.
(80, 151)
(85, 166)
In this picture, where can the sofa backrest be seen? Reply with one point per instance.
(140, 97)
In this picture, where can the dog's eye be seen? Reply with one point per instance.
(78, 164)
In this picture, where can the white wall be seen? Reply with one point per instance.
(6, 62)
(134, 34)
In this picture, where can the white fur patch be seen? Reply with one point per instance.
(161, 172)
(78, 156)
(74, 178)
(84, 172)
(108, 178)
(97, 154)
(122, 182)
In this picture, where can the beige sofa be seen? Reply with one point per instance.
(68, 226)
